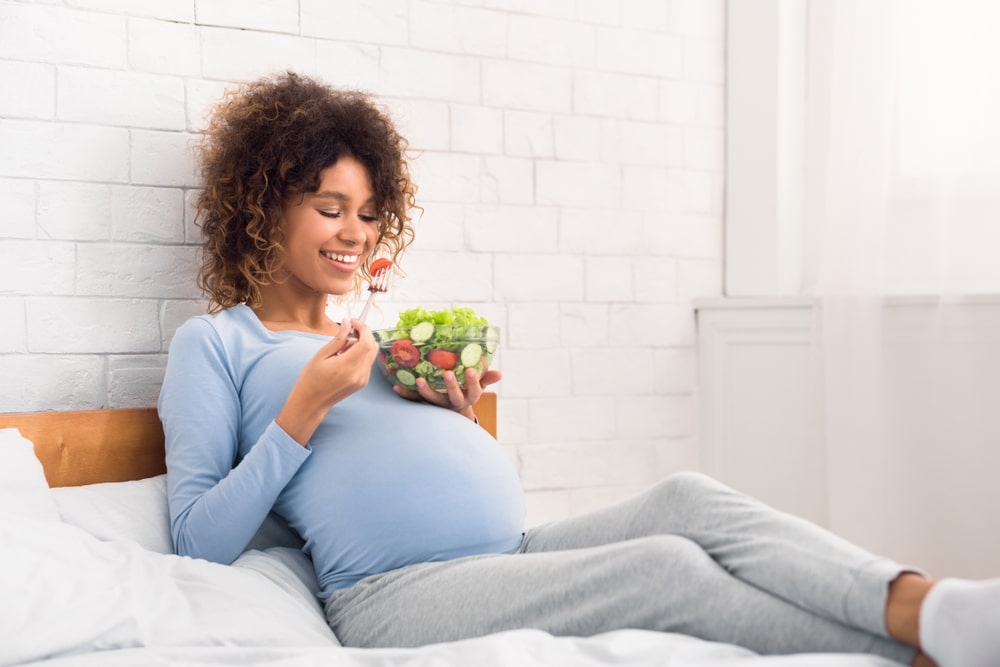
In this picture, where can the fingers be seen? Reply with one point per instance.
(455, 396)
(360, 329)
(338, 344)
(490, 377)
(408, 394)
(430, 395)
(452, 396)
(455, 392)
(350, 335)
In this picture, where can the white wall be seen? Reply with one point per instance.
(912, 477)
(569, 157)
(873, 418)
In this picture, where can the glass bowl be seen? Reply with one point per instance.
(427, 350)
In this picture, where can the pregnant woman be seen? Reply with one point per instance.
(411, 513)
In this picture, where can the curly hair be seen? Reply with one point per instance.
(268, 141)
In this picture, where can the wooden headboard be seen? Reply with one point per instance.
(122, 444)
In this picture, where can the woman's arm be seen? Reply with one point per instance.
(215, 509)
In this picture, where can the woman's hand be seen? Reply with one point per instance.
(456, 397)
(337, 370)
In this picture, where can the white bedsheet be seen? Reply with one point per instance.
(517, 648)
(72, 597)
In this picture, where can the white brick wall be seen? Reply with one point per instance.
(568, 155)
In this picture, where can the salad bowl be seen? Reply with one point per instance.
(428, 344)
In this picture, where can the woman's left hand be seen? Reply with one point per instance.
(456, 397)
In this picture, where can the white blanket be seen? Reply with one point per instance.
(85, 582)
(517, 648)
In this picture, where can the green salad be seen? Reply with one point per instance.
(428, 343)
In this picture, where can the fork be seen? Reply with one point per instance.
(379, 285)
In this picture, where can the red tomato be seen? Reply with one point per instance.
(404, 354)
(443, 359)
(379, 264)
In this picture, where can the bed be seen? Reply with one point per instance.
(87, 577)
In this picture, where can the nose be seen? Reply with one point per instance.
(352, 230)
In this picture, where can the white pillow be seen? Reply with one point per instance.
(64, 591)
(137, 511)
(23, 488)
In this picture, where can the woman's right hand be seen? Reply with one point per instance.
(337, 370)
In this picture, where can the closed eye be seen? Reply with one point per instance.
(337, 214)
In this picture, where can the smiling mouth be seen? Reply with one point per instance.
(343, 259)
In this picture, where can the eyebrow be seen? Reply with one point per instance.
(330, 194)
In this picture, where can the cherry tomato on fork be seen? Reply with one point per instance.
(379, 264)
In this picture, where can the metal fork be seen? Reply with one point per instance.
(379, 285)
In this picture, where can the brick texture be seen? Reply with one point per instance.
(568, 155)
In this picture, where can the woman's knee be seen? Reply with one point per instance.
(685, 500)
(689, 481)
(685, 489)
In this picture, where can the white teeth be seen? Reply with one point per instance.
(350, 259)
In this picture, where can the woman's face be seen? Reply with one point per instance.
(329, 233)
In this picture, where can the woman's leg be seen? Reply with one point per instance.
(902, 608)
(776, 552)
(664, 583)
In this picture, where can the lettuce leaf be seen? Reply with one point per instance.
(456, 315)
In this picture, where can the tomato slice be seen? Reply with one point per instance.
(380, 264)
(404, 353)
(443, 359)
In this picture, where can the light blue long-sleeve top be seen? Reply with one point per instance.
(384, 482)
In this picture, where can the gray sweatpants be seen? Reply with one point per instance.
(689, 555)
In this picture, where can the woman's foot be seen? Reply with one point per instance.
(960, 623)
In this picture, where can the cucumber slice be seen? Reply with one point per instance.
(471, 354)
(492, 340)
(406, 378)
(421, 332)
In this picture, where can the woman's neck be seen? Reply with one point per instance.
(281, 314)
